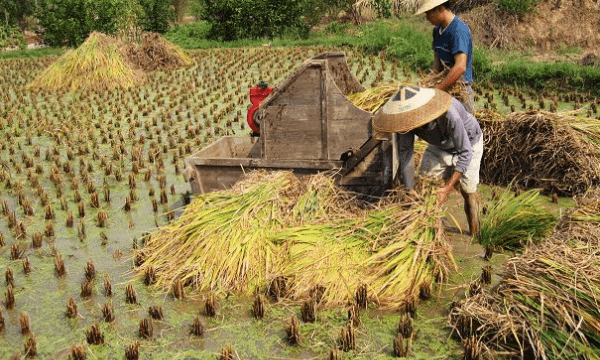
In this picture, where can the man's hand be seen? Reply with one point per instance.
(442, 194)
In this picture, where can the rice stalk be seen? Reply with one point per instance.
(513, 222)
(546, 306)
(220, 241)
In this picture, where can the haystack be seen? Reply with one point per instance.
(556, 152)
(97, 64)
(103, 62)
(156, 53)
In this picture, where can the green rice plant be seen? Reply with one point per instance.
(512, 222)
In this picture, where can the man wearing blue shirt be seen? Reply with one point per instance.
(452, 45)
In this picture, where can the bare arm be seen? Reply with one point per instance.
(442, 194)
(436, 66)
(459, 68)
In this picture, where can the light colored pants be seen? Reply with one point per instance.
(439, 163)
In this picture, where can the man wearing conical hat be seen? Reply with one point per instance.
(454, 136)
(452, 45)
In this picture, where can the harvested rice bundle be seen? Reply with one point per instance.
(373, 98)
(396, 250)
(545, 308)
(222, 237)
(433, 79)
(98, 64)
(418, 256)
(512, 222)
(539, 149)
(582, 222)
(156, 53)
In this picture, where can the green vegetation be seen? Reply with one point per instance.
(11, 36)
(155, 15)
(27, 54)
(512, 222)
(69, 22)
(235, 19)
(518, 7)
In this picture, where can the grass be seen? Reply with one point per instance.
(29, 54)
(408, 40)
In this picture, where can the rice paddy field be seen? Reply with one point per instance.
(85, 176)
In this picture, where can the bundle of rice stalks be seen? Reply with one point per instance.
(156, 53)
(98, 64)
(395, 250)
(433, 79)
(373, 98)
(512, 222)
(221, 238)
(244, 238)
(546, 306)
(581, 223)
(551, 151)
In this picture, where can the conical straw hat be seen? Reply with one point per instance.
(427, 5)
(410, 108)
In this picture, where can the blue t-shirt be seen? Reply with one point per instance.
(455, 39)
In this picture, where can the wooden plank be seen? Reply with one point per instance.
(323, 114)
(348, 126)
(292, 132)
(304, 90)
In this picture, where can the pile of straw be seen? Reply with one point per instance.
(395, 251)
(156, 53)
(547, 304)
(374, 98)
(311, 233)
(545, 308)
(103, 62)
(557, 152)
(582, 223)
(98, 63)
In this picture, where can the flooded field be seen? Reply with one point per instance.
(91, 173)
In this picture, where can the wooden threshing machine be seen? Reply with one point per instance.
(307, 125)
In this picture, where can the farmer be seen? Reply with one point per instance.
(455, 142)
(452, 46)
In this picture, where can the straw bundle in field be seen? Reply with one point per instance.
(537, 149)
(545, 308)
(156, 53)
(512, 222)
(310, 233)
(221, 238)
(103, 62)
(582, 223)
(395, 251)
(373, 98)
(97, 64)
